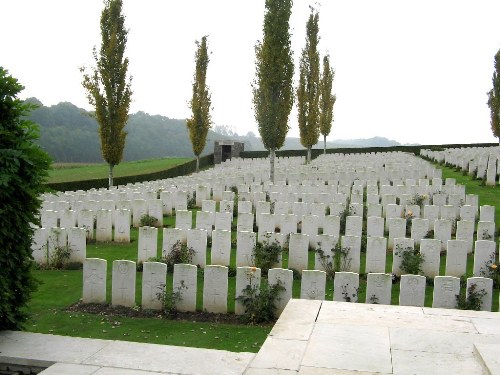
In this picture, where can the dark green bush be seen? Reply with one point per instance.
(23, 168)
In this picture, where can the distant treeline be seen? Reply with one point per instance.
(70, 134)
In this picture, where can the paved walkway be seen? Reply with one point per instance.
(310, 338)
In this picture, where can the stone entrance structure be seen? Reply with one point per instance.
(226, 150)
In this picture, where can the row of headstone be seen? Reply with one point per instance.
(215, 286)
(46, 241)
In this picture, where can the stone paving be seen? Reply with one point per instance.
(310, 338)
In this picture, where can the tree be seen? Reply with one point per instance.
(272, 87)
(308, 89)
(199, 124)
(494, 99)
(107, 87)
(327, 100)
(23, 168)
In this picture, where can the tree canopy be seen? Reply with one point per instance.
(272, 87)
(107, 87)
(494, 99)
(23, 169)
(327, 99)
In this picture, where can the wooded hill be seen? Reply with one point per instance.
(69, 134)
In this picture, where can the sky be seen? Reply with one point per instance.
(411, 71)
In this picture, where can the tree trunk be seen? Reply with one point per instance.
(324, 144)
(197, 163)
(272, 152)
(111, 175)
(308, 157)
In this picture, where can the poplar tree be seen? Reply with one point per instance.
(200, 121)
(494, 99)
(272, 87)
(327, 100)
(107, 87)
(308, 90)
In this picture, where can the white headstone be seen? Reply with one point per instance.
(94, 280)
(484, 254)
(376, 249)
(456, 258)
(326, 244)
(331, 225)
(246, 277)
(104, 226)
(486, 230)
(123, 283)
(375, 226)
(378, 288)
(313, 285)
(185, 276)
(431, 252)
(310, 224)
(221, 247)
(183, 219)
(412, 290)
(442, 232)
(345, 287)
(351, 246)
(170, 237)
(153, 284)
(397, 229)
(148, 244)
(483, 286)
(197, 240)
(215, 285)
(205, 220)
(400, 246)
(67, 219)
(431, 213)
(122, 226)
(245, 222)
(245, 244)
(487, 213)
(77, 242)
(86, 221)
(223, 220)
(39, 245)
(446, 288)
(465, 232)
(155, 209)
(285, 279)
(298, 251)
(139, 209)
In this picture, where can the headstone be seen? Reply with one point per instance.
(351, 246)
(166, 201)
(123, 283)
(376, 249)
(345, 287)
(326, 245)
(39, 245)
(285, 279)
(122, 226)
(446, 288)
(148, 244)
(170, 238)
(223, 220)
(288, 224)
(104, 226)
(375, 226)
(397, 229)
(183, 219)
(378, 288)
(432, 214)
(205, 220)
(153, 284)
(442, 232)
(486, 230)
(484, 254)
(85, 220)
(180, 201)
(374, 210)
(465, 232)
(313, 285)
(400, 245)
(265, 223)
(208, 205)
(226, 206)
(94, 280)
(456, 258)
(484, 287)
(331, 225)
(245, 222)
(487, 213)
(155, 209)
(139, 209)
(431, 252)
(298, 251)
(67, 219)
(215, 285)
(185, 284)
(57, 238)
(419, 229)
(77, 242)
(310, 226)
(448, 213)
(468, 213)
(221, 247)
(244, 207)
(412, 290)
(245, 244)
(49, 219)
(354, 226)
(197, 240)
(246, 277)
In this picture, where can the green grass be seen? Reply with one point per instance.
(60, 289)
(74, 172)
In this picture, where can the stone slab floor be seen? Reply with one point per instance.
(310, 338)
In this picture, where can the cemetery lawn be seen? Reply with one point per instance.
(74, 172)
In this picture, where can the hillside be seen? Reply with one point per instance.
(69, 134)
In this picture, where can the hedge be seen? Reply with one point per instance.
(178, 170)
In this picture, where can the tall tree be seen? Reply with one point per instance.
(327, 100)
(494, 99)
(23, 168)
(272, 87)
(200, 122)
(308, 90)
(107, 87)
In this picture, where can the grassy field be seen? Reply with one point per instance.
(79, 172)
(60, 289)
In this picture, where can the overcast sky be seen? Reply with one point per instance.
(412, 71)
